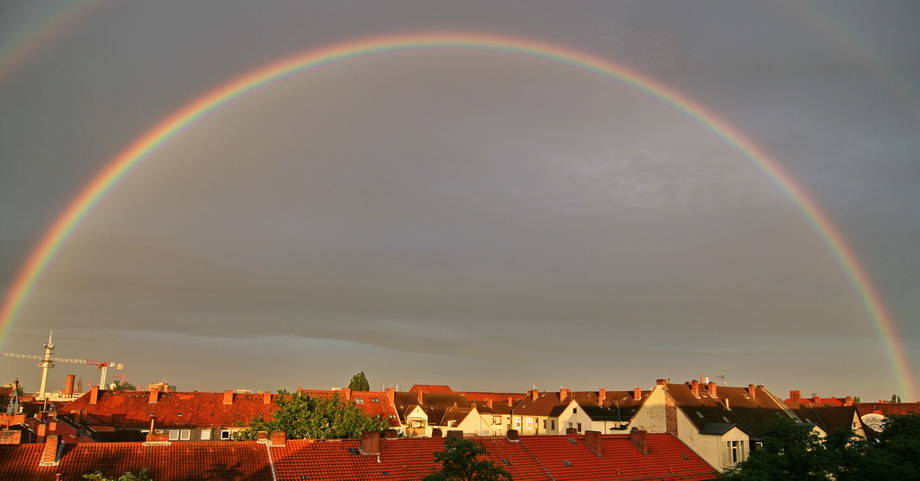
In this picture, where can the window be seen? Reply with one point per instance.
(574, 410)
(579, 427)
(185, 435)
(173, 434)
(205, 434)
(529, 423)
(497, 420)
(375, 400)
(359, 400)
(225, 435)
(544, 424)
(517, 423)
(552, 423)
(735, 452)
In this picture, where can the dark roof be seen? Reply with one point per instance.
(545, 404)
(754, 414)
(828, 418)
(616, 405)
(717, 428)
(887, 409)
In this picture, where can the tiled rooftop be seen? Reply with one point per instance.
(753, 414)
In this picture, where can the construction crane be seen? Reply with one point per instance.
(47, 362)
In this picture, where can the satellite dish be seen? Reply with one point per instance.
(112, 386)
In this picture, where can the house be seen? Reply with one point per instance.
(828, 414)
(873, 415)
(721, 423)
(548, 413)
(376, 404)
(183, 416)
(620, 411)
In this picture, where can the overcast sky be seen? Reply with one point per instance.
(487, 220)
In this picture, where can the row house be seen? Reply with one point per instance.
(588, 457)
(873, 415)
(376, 404)
(828, 414)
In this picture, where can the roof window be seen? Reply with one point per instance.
(699, 414)
(567, 463)
(359, 400)
(506, 462)
(375, 400)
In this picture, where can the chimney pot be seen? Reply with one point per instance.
(637, 394)
(795, 396)
(713, 389)
(228, 397)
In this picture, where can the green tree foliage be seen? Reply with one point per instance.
(128, 476)
(123, 386)
(302, 416)
(792, 452)
(359, 382)
(460, 462)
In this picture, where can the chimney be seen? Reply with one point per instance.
(637, 394)
(701, 379)
(94, 395)
(571, 432)
(455, 433)
(278, 438)
(601, 395)
(662, 382)
(266, 398)
(153, 422)
(228, 397)
(563, 393)
(593, 441)
(68, 387)
(713, 389)
(695, 387)
(848, 401)
(752, 391)
(421, 397)
(639, 438)
(534, 394)
(391, 434)
(40, 431)
(795, 396)
(510, 401)
(513, 435)
(154, 395)
(347, 392)
(391, 396)
(436, 433)
(815, 398)
(50, 455)
(489, 403)
(78, 416)
(262, 436)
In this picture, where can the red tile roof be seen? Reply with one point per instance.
(373, 403)
(173, 462)
(667, 458)
(887, 409)
(431, 388)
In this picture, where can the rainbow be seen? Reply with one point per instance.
(140, 149)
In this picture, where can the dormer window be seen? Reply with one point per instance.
(359, 400)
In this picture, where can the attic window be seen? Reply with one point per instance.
(573, 441)
(180, 414)
(699, 414)
(567, 463)
(725, 419)
(375, 400)
(359, 400)
(353, 450)
(506, 462)
(685, 457)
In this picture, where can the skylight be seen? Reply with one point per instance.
(567, 463)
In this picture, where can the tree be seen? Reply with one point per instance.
(302, 416)
(123, 386)
(791, 451)
(359, 382)
(128, 476)
(460, 461)
(895, 398)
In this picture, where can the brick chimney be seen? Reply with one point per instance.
(563, 393)
(266, 398)
(68, 387)
(278, 438)
(513, 435)
(94, 395)
(154, 395)
(534, 394)
(815, 398)
(639, 438)
(510, 401)
(370, 443)
(571, 432)
(593, 441)
(637, 394)
(489, 403)
(752, 391)
(40, 431)
(421, 397)
(50, 455)
(228, 397)
(601, 395)
(455, 433)
(262, 436)
(662, 382)
(695, 387)
(436, 433)
(795, 396)
(848, 401)
(391, 434)
(391, 395)
(347, 392)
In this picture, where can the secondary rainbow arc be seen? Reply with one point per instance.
(140, 149)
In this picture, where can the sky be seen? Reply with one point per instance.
(485, 218)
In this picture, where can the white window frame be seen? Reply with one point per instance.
(205, 435)
(173, 434)
(226, 435)
(185, 435)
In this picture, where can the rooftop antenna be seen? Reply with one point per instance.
(722, 377)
